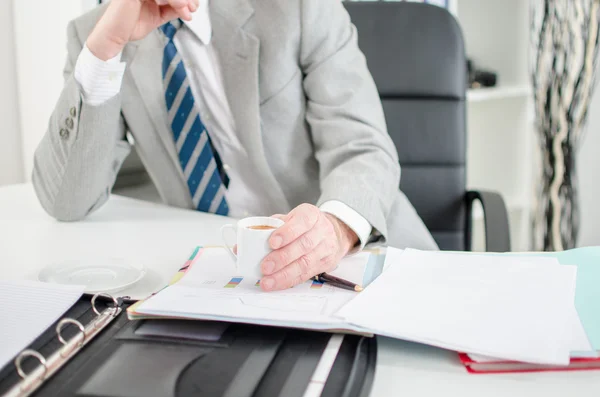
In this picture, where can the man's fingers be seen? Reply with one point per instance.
(177, 3)
(296, 272)
(184, 13)
(182, 7)
(282, 257)
(300, 220)
(168, 13)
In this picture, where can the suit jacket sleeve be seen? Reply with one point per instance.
(358, 160)
(76, 163)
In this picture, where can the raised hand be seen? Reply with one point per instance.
(130, 20)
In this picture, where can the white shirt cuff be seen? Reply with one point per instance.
(99, 80)
(351, 218)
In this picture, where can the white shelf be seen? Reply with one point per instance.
(496, 37)
(500, 92)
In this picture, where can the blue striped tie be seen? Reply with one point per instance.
(200, 162)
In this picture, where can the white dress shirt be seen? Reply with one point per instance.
(100, 81)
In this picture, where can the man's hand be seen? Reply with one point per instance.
(309, 243)
(130, 20)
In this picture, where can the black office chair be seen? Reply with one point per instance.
(416, 55)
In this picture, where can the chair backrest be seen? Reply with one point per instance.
(416, 55)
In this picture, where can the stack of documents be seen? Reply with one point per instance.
(587, 294)
(587, 304)
(510, 308)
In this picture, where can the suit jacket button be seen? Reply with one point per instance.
(69, 123)
(64, 134)
(73, 112)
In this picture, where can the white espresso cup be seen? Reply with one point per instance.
(252, 239)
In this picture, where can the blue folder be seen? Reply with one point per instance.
(587, 295)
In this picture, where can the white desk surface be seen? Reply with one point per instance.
(161, 238)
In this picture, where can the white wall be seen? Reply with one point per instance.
(11, 163)
(40, 38)
(589, 176)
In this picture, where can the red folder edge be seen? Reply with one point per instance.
(578, 362)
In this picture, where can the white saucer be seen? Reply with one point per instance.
(98, 275)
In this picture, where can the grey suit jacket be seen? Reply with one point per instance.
(298, 86)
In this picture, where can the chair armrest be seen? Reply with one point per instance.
(495, 217)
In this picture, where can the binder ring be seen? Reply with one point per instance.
(30, 353)
(66, 321)
(105, 295)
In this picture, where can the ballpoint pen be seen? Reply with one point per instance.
(337, 282)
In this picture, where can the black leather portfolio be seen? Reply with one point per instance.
(180, 358)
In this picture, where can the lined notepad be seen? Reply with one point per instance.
(27, 309)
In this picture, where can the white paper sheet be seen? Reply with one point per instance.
(494, 306)
(27, 309)
(392, 255)
(579, 343)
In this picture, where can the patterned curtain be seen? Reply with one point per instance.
(564, 47)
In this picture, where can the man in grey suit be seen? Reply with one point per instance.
(236, 107)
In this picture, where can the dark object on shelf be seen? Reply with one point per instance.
(478, 78)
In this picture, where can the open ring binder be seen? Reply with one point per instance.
(115, 302)
(30, 382)
(30, 353)
(65, 321)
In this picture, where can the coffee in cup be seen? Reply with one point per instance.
(261, 227)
